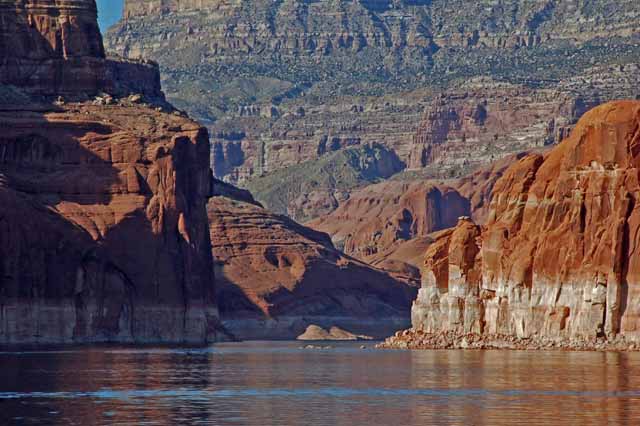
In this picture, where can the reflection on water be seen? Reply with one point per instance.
(280, 384)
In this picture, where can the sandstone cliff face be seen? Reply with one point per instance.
(103, 227)
(51, 46)
(483, 121)
(477, 187)
(54, 47)
(276, 277)
(103, 224)
(512, 24)
(377, 220)
(285, 83)
(557, 256)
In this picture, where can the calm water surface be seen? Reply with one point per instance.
(281, 384)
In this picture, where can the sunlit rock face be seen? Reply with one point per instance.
(443, 85)
(382, 224)
(558, 254)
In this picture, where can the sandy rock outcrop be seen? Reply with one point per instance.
(558, 255)
(313, 332)
(103, 227)
(275, 277)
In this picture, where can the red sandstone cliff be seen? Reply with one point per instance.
(54, 47)
(276, 277)
(381, 221)
(103, 227)
(558, 254)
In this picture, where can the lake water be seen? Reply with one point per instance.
(277, 383)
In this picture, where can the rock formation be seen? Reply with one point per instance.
(377, 220)
(463, 129)
(286, 83)
(276, 277)
(54, 48)
(51, 46)
(558, 255)
(103, 223)
(103, 229)
(315, 188)
(313, 332)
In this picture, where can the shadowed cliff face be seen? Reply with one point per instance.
(54, 48)
(51, 47)
(558, 255)
(274, 277)
(103, 228)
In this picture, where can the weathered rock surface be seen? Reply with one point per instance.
(51, 46)
(478, 186)
(103, 227)
(557, 257)
(419, 339)
(103, 223)
(469, 127)
(287, 83)
(390, 225)
(313, 332)
(315, 188)
(54, 48)
(377, 220)
(275, 277)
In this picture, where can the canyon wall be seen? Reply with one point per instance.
(287, 83)
(391, 224)
(104, 232)
(275, 277)
(557, 256)
(103, 226)
(377, 221)
(54, 48)
(50, 46)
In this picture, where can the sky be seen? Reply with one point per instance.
(109, 12)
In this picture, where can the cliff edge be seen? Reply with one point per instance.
(557, 258)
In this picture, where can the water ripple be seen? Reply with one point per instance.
(193, 394)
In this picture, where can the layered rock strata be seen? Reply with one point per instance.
(54, 48)
(557, 257)
(470, 126)
(390, 225)
(276, 277)
(103, 223)
(51, 46)
(103, 227)
(285, 83)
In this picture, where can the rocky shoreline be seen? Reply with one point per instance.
(420, 340)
